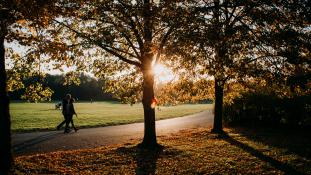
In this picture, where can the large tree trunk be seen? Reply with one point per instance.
(150, 139)
(5, 123)
(219, 94)
(219, 55)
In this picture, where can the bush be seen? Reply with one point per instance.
(269, 109)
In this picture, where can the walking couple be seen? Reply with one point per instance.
(68, 112)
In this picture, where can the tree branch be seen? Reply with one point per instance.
(127, 38)
(133, 26)
(119, 55)
(163, 42)
(111, 50)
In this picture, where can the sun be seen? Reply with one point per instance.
(162, 73)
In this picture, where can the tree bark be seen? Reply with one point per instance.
(150, 139)
(219, 83)
(5, 123)
(219, 94)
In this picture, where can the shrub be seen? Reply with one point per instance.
(261, 107)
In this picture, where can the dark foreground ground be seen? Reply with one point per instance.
(191, 151)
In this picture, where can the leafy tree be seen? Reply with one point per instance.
(185, 90)
(290, 40)
(228, 40)
(218, 41)
(13, 13)
(35, 93)
(129, 37)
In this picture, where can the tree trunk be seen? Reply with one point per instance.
(5, 123)
(150, 140)
(219, 94)
(219, 55)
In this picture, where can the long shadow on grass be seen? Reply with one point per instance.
(292, 139)
(21, 147)
(146, 160)
(287, 169)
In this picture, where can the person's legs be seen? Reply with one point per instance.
(60, 125)
(68, 119)
(72, 124)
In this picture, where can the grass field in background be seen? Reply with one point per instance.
(43, 116)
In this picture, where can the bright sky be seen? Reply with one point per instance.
(21, 50)
(163, 74)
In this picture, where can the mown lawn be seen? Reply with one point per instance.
(43, 116)
(240, 151)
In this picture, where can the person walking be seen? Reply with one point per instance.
(68, 111)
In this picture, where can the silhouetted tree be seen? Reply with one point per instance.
(12, 13)
(129, 37)
(5, 124)
(228, 41)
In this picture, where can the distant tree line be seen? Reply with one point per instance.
(86, 88)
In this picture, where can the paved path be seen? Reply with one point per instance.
(39, 142)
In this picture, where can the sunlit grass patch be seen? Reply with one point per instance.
(188, 152)
(43, 116)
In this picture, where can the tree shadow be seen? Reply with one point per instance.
(21, 147)
(146, 159)
(287, 169)
(292, 139)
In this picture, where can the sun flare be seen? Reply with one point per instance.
(162, 73)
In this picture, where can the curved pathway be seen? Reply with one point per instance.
(49, 141)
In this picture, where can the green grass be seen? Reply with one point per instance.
(43, 116)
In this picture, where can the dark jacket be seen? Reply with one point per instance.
(71, 110)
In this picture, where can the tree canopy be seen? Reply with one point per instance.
(13, 14)
(121, 41)
(240, 40)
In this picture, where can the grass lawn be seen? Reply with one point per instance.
(240, 151)
(43, 116)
